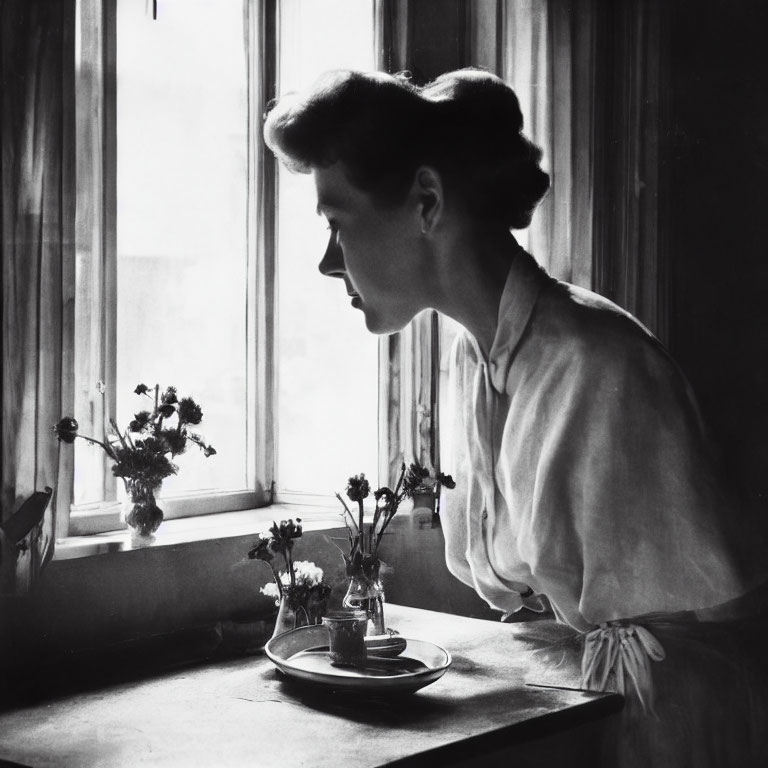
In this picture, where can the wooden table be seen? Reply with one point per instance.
(491, 707)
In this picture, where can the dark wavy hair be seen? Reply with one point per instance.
(467, 124)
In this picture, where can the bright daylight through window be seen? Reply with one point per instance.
(173, 299)
(181, 222)
(327, 360)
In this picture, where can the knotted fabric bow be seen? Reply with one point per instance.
(621, 652)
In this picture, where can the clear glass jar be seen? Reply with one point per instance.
(367, 595)
(140, 511)
(289, 616)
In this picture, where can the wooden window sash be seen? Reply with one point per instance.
(96, 254)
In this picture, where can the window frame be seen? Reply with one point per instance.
(94, 355)
(409, 361)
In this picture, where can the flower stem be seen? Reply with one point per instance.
(119, 434)
(348, 512)
(400, 479)
(106, 448)
(289, 564)
(360, 524)
(386, 522)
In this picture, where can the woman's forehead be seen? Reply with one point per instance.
(335, 192)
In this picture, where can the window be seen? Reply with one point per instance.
(163, 287)
(168, 243)
(327, 361)
(182, 246)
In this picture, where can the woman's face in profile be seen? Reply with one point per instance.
(374, 250)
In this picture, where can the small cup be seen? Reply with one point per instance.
(346, 631)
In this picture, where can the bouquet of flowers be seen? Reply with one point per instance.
(143, 453)
(363, 558)
(299, 590)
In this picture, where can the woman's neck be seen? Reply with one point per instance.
(473, 275)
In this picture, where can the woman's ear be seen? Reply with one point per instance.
(428, 191)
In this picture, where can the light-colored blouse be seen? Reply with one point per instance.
(583, 468)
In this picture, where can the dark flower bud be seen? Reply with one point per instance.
(169, 396)
(209, 450)
(414, 478)
(358, 488)
(66, 429)
(446, 480)
(261, 551)
(174, 440)
(384, 496)
(189, 411)
(167, 410)
(286, 530)
(141, 389)
(140, 420)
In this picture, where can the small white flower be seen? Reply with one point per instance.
(270, 590)
(307, 573)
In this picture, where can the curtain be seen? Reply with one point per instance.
(408, 360)
(590, 86)
(537, 47)
(630, 64)
(37, 241)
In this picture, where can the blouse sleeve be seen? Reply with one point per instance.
(628, 512)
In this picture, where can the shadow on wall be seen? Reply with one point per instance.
(101, 601)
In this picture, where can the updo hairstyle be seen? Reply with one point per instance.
(466, 124)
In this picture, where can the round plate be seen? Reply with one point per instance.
(302, 654)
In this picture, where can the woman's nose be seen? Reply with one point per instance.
(332, 263)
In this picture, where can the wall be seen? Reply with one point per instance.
(718, 172)
(107, 599)
(103, 600)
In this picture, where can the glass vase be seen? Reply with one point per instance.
(290, 616)
(141, 513)
(367, 595)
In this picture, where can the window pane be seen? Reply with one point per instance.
(181, 222)
(327, 360)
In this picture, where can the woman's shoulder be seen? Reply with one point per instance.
(590, 324)
(578, 339)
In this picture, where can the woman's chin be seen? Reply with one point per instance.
(382, 326)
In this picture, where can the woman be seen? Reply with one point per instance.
(584, 473)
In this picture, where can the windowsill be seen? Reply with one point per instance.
(222, 525)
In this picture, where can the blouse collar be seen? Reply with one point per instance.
(521, 291)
